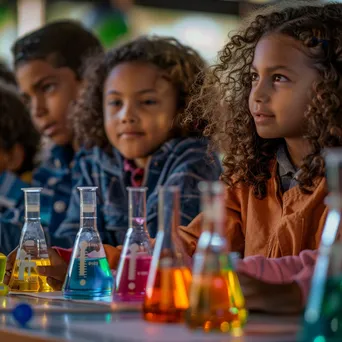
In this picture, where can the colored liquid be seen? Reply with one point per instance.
(132, 283)
(27, 279)
(216, 303)
(167, 300)
(328, 326)
(3, 260)
(89, 280)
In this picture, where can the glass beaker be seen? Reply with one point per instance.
(32, 250)
(89, 275)
(168, 282)
(323, 314)
(216, 299)
(135, 258)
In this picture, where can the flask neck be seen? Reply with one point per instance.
(88, 220)
(32, 215)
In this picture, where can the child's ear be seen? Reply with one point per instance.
(16, 157)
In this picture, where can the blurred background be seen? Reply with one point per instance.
(203, 24)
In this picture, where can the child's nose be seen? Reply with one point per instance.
(128, 114)
(261, 93)
(38, 107)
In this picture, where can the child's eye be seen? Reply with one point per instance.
(48, 87)
(254, 76)
(115, 103)
(280, 78)
(149, 102)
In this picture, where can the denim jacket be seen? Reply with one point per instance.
(11, 205)
(54, 176)
(182, 161)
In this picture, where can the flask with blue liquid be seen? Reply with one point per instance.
(89, 275)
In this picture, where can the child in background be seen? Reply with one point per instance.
(48, 65)
(19, 144)
(128, 114)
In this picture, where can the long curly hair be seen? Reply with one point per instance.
(182, 63)
(223, 99)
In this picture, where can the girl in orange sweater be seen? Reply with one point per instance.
(280, 79)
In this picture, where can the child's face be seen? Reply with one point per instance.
(49, 92)
(282, 79)
(139, 108)
(13, 159)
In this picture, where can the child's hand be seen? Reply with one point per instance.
(272, 298)
(113, 255)
(56, 272)
(9, 265)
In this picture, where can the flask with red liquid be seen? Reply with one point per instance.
(136, 254)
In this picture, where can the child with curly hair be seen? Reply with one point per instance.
(19, 144)
(280, 79)
(127, 117)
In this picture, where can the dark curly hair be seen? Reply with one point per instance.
(16, 127)
(182, 63)
(223, 99)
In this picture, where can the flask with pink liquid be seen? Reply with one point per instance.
(136, 254)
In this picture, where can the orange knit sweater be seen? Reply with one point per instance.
(276, 226)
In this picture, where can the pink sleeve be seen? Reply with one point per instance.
(65, 254)
(282, 270)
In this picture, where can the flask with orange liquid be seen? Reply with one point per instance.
(216, 300)
(166, 298)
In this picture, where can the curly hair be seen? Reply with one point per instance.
(16, 127)
(182, 63)
(223, 99)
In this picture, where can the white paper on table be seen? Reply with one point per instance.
(139, 330)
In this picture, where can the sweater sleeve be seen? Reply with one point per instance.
(287, 269)
(112, 254)
(190, 234)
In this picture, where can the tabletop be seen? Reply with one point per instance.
(60, 320)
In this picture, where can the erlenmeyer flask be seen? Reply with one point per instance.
(32, 251)
(89, 275)
(323, 314)
(168, 282)
(136, 254)
(3, 260)
(216, 299)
